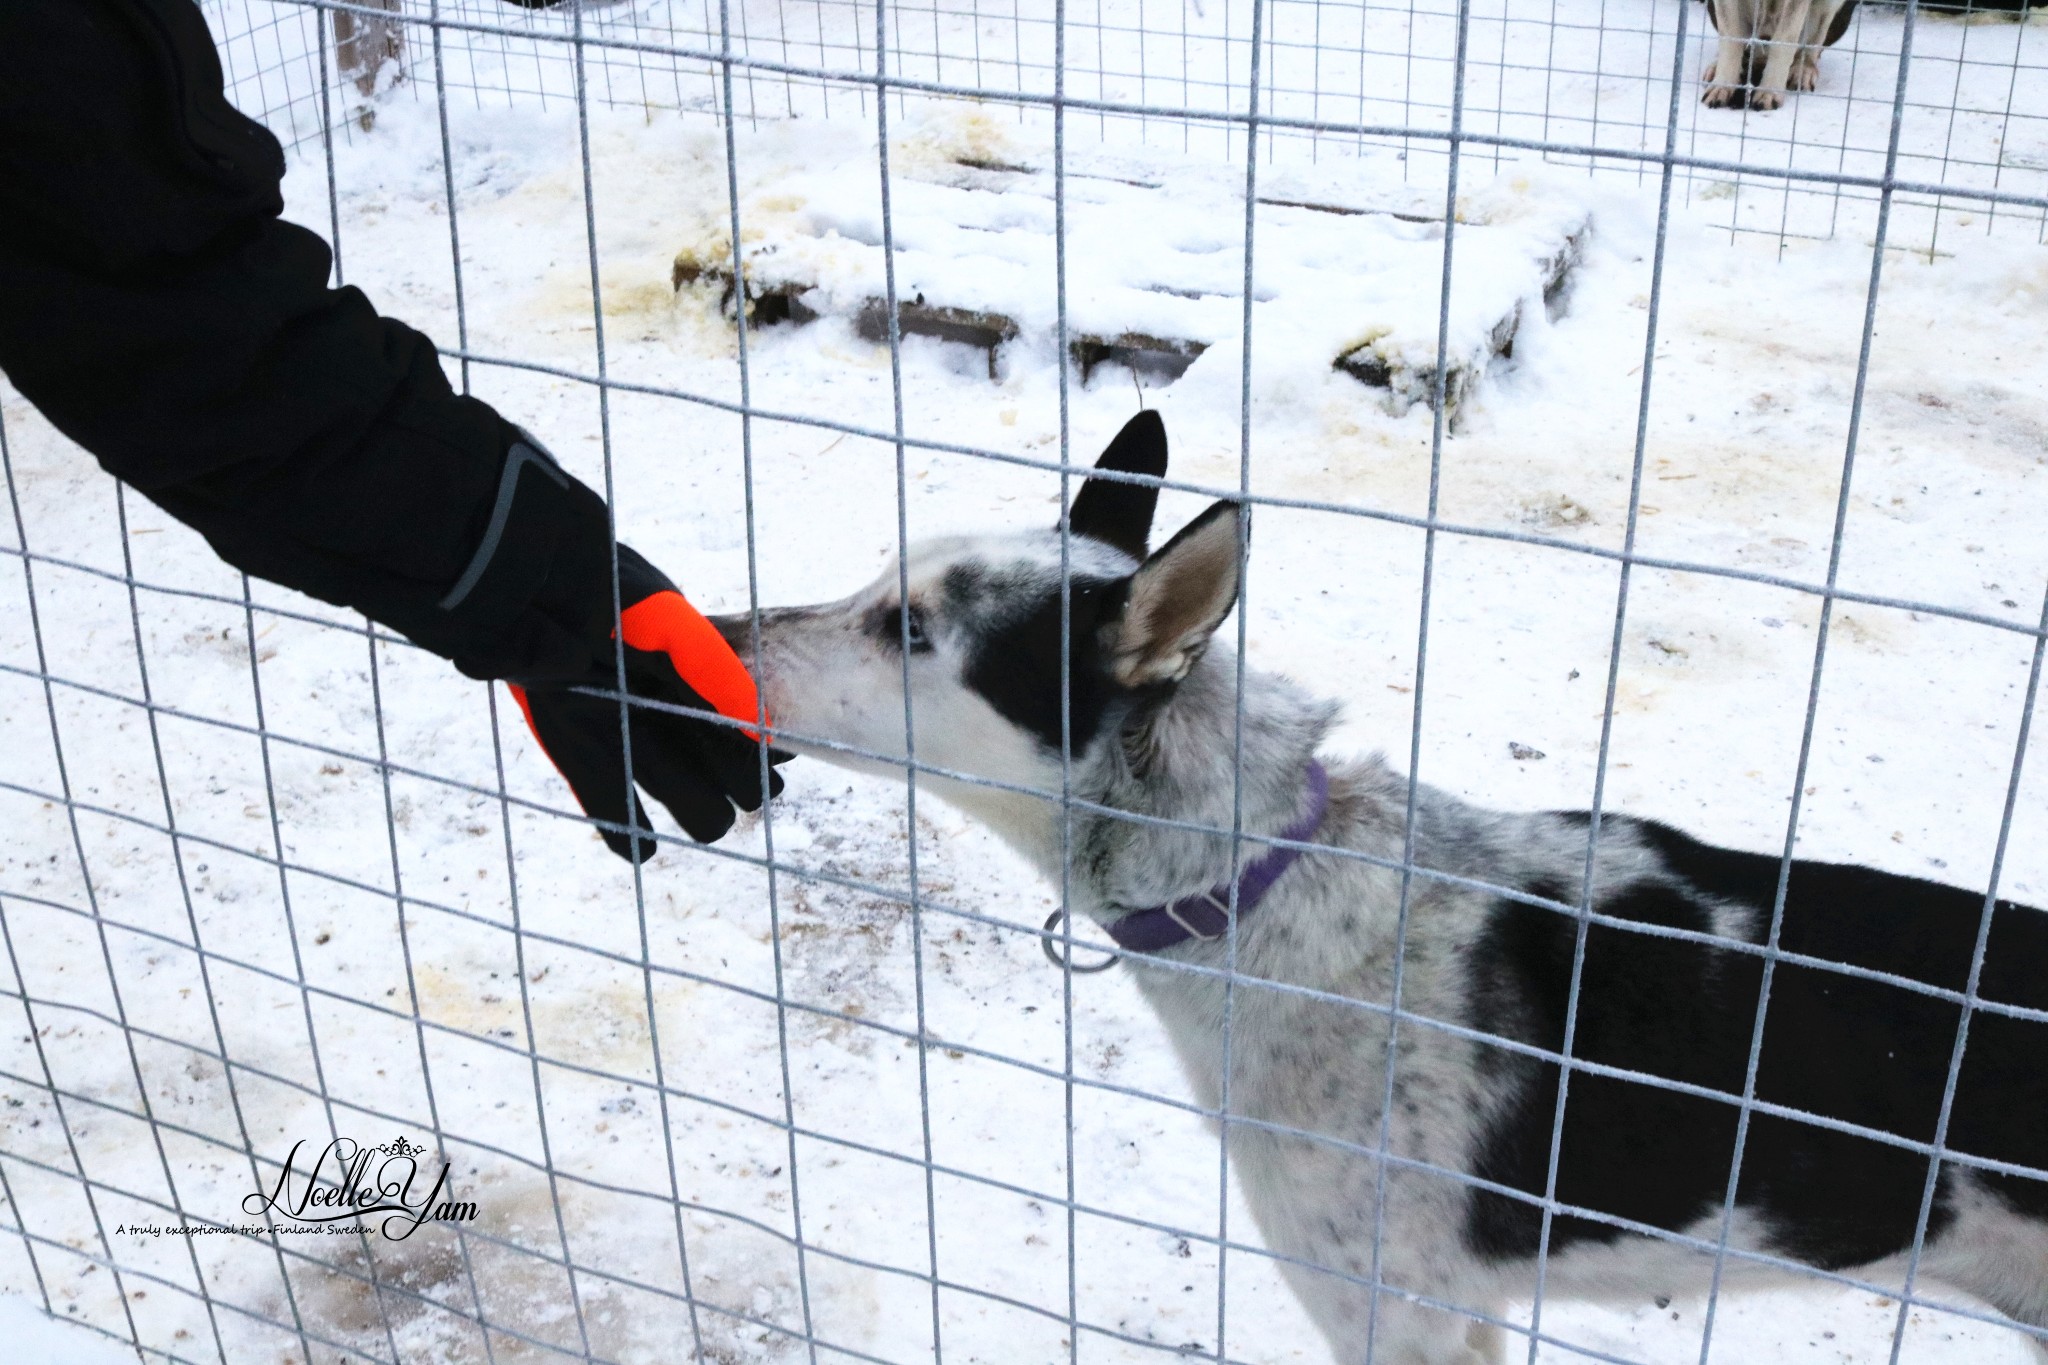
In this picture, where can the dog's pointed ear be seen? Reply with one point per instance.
(1176, 600)
(1120, 514)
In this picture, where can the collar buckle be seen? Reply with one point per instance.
(1222, 907)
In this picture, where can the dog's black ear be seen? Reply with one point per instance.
(1120, 514)
(1176, 600)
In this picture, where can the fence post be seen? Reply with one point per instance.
(363, 43)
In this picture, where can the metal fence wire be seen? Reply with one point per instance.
(711, 1109)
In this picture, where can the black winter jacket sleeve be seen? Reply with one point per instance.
(158, 311)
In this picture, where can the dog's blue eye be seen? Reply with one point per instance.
(913, 631)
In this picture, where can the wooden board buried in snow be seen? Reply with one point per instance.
(1348, 272)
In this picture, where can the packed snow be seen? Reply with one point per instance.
(32, 1334)
(1754, 377)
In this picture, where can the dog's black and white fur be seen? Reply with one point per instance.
(1151, 726)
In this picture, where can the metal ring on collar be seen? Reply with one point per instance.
(1052, 954)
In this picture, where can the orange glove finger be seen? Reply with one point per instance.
(666, 623)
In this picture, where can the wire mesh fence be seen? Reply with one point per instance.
(735, 1106)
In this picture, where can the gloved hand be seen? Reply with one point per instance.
(160, 313)
(698, 769)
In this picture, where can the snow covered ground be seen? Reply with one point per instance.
(33, 1335)
(1748, 421)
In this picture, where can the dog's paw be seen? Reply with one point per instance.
(1766, 99)
(1805, 73)
(1722, 96)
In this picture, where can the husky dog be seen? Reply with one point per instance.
(1667, 985)
(1769, 46)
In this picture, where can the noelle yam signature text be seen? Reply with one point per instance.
(349, 1180)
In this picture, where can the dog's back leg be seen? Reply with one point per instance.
(1996, 1250)
(1805, 70)
(1824, 24)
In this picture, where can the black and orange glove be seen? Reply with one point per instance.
(699, 769)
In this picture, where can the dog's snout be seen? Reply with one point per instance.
(738, 630)
(738, 627)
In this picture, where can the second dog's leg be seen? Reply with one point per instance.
(1825, 22)
(1724, 74)
(1806, 69)
(1727, 73)
(1724, 92)
(1784, 46)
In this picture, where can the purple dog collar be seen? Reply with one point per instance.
(1206, 914)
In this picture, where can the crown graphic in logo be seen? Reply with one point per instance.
(400, 1147)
